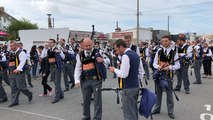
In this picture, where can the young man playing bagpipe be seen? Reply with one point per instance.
(184, 51)
(165, 64)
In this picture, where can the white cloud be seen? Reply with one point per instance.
(81, 14)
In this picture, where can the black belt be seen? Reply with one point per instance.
(53, 65)
(91, 77)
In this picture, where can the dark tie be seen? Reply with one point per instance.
(88, 54)
(165, 52)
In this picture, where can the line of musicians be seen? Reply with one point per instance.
(88, 69)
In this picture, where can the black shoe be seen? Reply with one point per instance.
(72, 86)
(176, 89)
(66, 90)
(62, 97)
(30, 97)
(171, 115)
(187, 92)
(86, 119)
(197, 82)
(31, 85)
(155, 112)
(92, 99)
(12, 105)
(82, 103)
(3, 100)
(55, 101)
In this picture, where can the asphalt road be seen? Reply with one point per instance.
(194, 106)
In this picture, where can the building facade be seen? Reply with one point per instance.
(5, 19)
(144, 35)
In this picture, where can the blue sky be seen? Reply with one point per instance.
(185, 15)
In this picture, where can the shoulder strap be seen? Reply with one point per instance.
(81, 55)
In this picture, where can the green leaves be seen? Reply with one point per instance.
(22, 24)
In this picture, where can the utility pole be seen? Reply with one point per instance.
(168, 25)
(138, 22)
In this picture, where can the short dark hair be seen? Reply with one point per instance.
(166, 36)
(127, 36)
(20, 43)
(119, 43)
(53, 40)
(73, 39)
(41, 47)
(182, 39)
(81, 41)
(14, 42)
(63, 39)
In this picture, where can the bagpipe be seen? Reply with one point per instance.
(146, 103)
(161, 80)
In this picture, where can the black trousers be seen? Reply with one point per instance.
(44, 83)
(207, 64)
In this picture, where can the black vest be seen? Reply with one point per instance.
(51, 54)
(14, 61)
(184, 61)
(143, 53)
(168, 59)
(88, 65)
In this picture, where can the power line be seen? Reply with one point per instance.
(182, 6)
(116, 6)
(93, 9)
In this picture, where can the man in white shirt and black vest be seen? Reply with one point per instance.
(165, 64)
(17, 68)
(131, 71)
(144, 55)
(55, 56)
(184, 51)
(128, 40)
(89, 76)
(197, 57)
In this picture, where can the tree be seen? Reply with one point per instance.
(22, 24)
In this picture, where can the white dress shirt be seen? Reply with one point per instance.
(44, 53)
(3, 59)
(171, 67)
(123, 72)
(197, 49)
(22, 58)
(188, 52)
(210, 52)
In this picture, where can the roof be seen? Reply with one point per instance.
(4, 14)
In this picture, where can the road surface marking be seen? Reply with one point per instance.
(202, 116)
(46, 116)
(208, 107)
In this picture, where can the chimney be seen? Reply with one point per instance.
(1, 9)
(49, 21)
(117, 29)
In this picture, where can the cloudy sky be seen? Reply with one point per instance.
(185, 15)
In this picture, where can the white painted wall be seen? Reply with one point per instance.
(40, 36)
